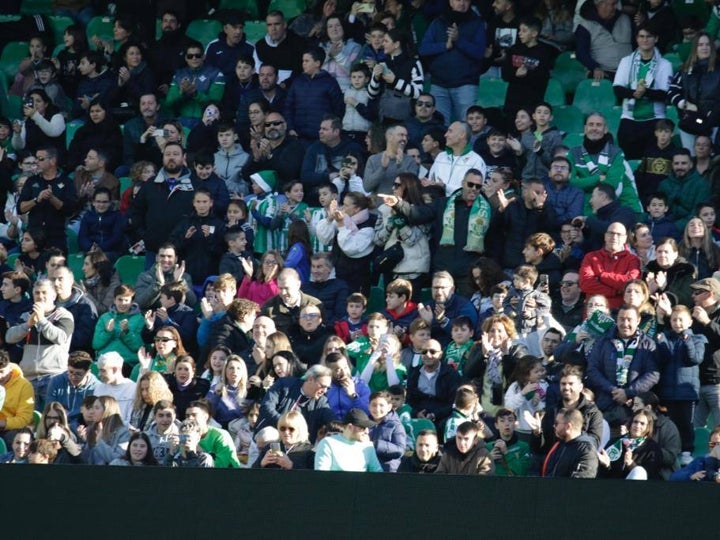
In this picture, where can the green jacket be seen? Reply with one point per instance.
(127, 343)
(516, 462)
(684, 194)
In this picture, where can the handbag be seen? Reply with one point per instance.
(695, 123)
(387, 260)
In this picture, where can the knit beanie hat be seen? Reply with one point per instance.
(267, 180)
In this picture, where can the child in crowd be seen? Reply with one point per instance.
(172, 312)
(290, 209)
(204, 175)
(199, 238)
(660, 224)
(360, 110)
(477, 120)
(539, 145)
(656, 163)
(299, 249)
(353, 325)
(433, 142)
(25, 75)
(102, 227)
(6, 141)
(189, 453)
(529, 305)
(361, 348)
(237, 249)
(373, 51)
(400, 310)
(498, 294)
(527, 391)
(511, 455)
(67, 59)
(388, 436)
(498, 152)
(457, 350)
(679, 354)
(706, 212)
(242, 431)
(327, 192)
(398, 395)
(466, 407)
(263, 207)
(419, 334)
(46, 79)
(230, 160)
(238, 215)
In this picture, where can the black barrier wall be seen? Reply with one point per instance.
(66, 502)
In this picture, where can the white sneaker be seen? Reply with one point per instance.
(685, 458)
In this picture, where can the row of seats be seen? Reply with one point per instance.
(129, 267)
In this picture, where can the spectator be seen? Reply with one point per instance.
(452, 166)
(565, 200)
(323, 285)
(466, 453)
(445, 306)
(602, 38)
(166, 56)
(294, 450)
(424, 119)
(426, 456)
(313, 94)
(606, 209)
(641, 82)
(232, 330)
(119, 328)
(96, 83)
(139, 143)
(267, 91)
(134, 79)
(214, 441)
(94, 175)
(634, 456)
(454, 46)
(185, 386)
(280, 47)
(431, 386)
(17, 406)
(346, 392)
(115, 385)
(102, 230)
(388, 434)
(46, 333)
(100, 133)
(575, 455)
(150, 390)
(684, 188)
(277, 151)
(224, 52)
(606, 270)
(350, 450)
(381, 169)
(341, 52)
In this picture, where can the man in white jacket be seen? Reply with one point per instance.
(458, 158)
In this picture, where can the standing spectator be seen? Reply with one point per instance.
(100, 133)
(327, 288)
(80, 306)
(565, 200)
(43, 126)
(280, 47)
(134, 79)
(381, 169)
(137, 144)
(452, 165)
(341, 53)
(313, 94)
(602, 38)
(575, 455)
(224, 52)
(267, 90)
(641, 82)
(46, 333)
(96, 82)
(454, 47)
(194, 86)
(165, 270)
(167, 53)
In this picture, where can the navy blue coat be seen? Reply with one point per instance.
(389, 439)
(679, 357)
(309, 99)
(441, 403)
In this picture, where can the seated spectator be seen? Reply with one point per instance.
(139, 452)
(227, 396)
(101, 133)
(190, 454)
(466, 453)
(165, 270)
(685, 188)
(114, 384)
(426, 456)
(96, 83)
(135, 78)
(163, 429)
(185, 386)
(19, 448)
(285, 308)
(294, 450)
(606, 209)
(214, 441)
(151, 389)
(261, 286)
(107, 436)
(14, 305)
(388, 434)
(635, 456)
(308, 337)
(703, 468)
(575, 455)
(18, 403)
(101, 280)
(102, 228)
(444, 307)
(346, 392)
(350, 450)
(327, 288)
(72, 387)
(511, 455)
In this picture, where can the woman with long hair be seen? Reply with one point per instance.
(44, 126)
(485, 273)
(393, 226)
(184, 385)
(168, 347)
(139, 452)
(697, 247)
(261, 286)
(54, 426)
(637, 294)
(107, 435)
(150, 388)
(101, 279)
(299, 249)
(227, 397)
(101, 133)
(215, 364)
(669, 273)
(642, 244)
(695, 91)
(635, 455)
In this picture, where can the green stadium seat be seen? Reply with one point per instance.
(290, 8)
(568, 118)
(204, 30)
(12, 107)
(612, 116)
(671, 113)
(426, 295)
(11, 260)
(491, 93)
(568, 71)
(675, 60)
(37, 416)
(70, 130)
(129, 267)
(125, 182)
(59, 23)
(248, 8)
(75, 263)
(9, 18)
(12, 54)
(376, 302)
(3, 448)
(554, 94)
(702, 437)
(254, 30)
(573, 139)
(36, 7)
(591, 96)
(100, 26)
(72, 241)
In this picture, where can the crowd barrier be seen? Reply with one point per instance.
(133, 503)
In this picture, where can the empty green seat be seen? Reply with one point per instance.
(554, 93)
(591, 96)
(491, 93)
(569, 119)
(376, 302)
(254, 30)
(204, 30)
(70, 129)
(36, 7)
(12, 54)
(568, 71)
(290, 8)
(59, 23)
(573, 139)
(129, 267)
(101, 27)
(612, 117)
(75, 264)
(248, 8)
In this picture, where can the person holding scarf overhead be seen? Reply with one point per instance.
(641, 81)
(462, 227)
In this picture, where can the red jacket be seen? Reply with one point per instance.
(606, 274)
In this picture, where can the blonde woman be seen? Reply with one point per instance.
(150, 389)
(228, 396)
(107, 435)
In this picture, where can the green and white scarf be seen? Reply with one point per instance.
(625, 353)
(478, 223)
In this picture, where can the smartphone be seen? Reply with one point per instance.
(160, 133)
(366, 8)
(182, 438)
(275, 448)
(544, 280)
(29, 102)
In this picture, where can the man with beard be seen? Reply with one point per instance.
(426, 457)
(134, 148)
(163, 201)
(279, 151)
(597, 161)
(566, 200)
(267, 90)
(685, 188)
(166, 55)
(346, 392)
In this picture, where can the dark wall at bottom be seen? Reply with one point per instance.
(121, 502)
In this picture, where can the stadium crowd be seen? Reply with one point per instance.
(314, 250)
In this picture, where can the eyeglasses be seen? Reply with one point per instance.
(427, 104)
(432, 352)
(397, 185)
(254, 112)
(193, 56)
(289, 429)
(76, 374)
(163, 339)
(274, 123)
(309, 315)
(270, 263)
(560, 167)
(568, 283)
(473, 185)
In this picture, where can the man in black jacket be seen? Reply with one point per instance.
(426, 458)
(233, 330)
(575, 454)
(706, 321)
